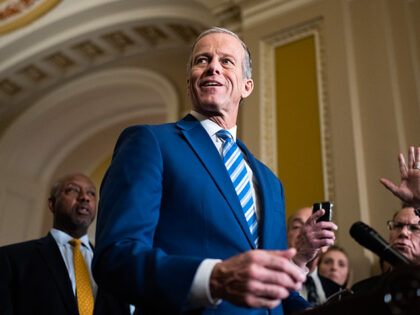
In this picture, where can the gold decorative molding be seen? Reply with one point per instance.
(60, 60)
(118, 40)
(18, 13)
(9, 87)
(89, 50)
(269, 139)
(33, 74)
(152, 34)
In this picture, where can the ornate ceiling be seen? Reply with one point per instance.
(91, 50)
(46, 43)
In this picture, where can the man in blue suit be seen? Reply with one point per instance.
(174, 234)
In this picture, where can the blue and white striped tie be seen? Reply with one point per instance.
(235, 165)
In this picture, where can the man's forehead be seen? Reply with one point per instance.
(303, 213)
(407, 214)
(78, 180)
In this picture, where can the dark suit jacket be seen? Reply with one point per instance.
(34, 280)
(167, 202)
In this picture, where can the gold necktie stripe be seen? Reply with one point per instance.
(83, 285)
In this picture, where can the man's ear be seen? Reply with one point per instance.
(247, 88)
(51, 203)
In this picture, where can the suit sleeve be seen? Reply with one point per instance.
(6, 305)
(126, 262)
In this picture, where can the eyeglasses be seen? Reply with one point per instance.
(413, 228)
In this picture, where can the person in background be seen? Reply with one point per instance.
(300, 226)
(404, 236)
(334, 270)
(51, 275)
(189, 220)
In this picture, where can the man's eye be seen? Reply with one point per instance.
(200, 60)
(227, 61)
(415, 228)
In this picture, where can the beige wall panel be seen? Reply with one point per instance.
(370, 54)
(21, 221)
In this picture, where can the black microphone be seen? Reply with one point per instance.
(369, 238)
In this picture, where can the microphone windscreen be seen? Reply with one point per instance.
(368, 237)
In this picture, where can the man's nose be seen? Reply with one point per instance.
(84, 196)
(404, 230)
(213, 67)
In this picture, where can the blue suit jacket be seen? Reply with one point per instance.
(167, 203)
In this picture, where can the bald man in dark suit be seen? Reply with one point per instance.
(37, 277)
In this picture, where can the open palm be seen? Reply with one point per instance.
(409, 189)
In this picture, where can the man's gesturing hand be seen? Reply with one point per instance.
(257, 278)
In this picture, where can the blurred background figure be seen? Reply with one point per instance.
(334, 265)
(404, 236)
(331, 276)
(301, 226)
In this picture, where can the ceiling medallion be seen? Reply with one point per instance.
(17, 13)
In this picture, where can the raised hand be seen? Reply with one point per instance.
(409, 189)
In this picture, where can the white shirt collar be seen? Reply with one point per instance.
(62, 238)
(210, 126)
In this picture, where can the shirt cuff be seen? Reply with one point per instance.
(199, 295)
(304, 269)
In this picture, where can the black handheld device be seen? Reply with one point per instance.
(327, 206)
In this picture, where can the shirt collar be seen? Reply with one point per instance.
(210, 126)
(62, 238)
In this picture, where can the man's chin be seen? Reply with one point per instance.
(403, 250)
(208, 110)
(83, 223)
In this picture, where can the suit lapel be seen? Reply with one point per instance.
(51, 253)
(203, 146)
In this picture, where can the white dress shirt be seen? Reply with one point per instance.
(200, 289)
(62, 239)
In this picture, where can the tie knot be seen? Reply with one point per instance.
(224, 135)
(75, 242)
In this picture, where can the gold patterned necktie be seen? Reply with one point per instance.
(83, 286)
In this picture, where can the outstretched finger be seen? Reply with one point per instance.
(411, 158)
(403, 166)
(417, 158)
(389, 185)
